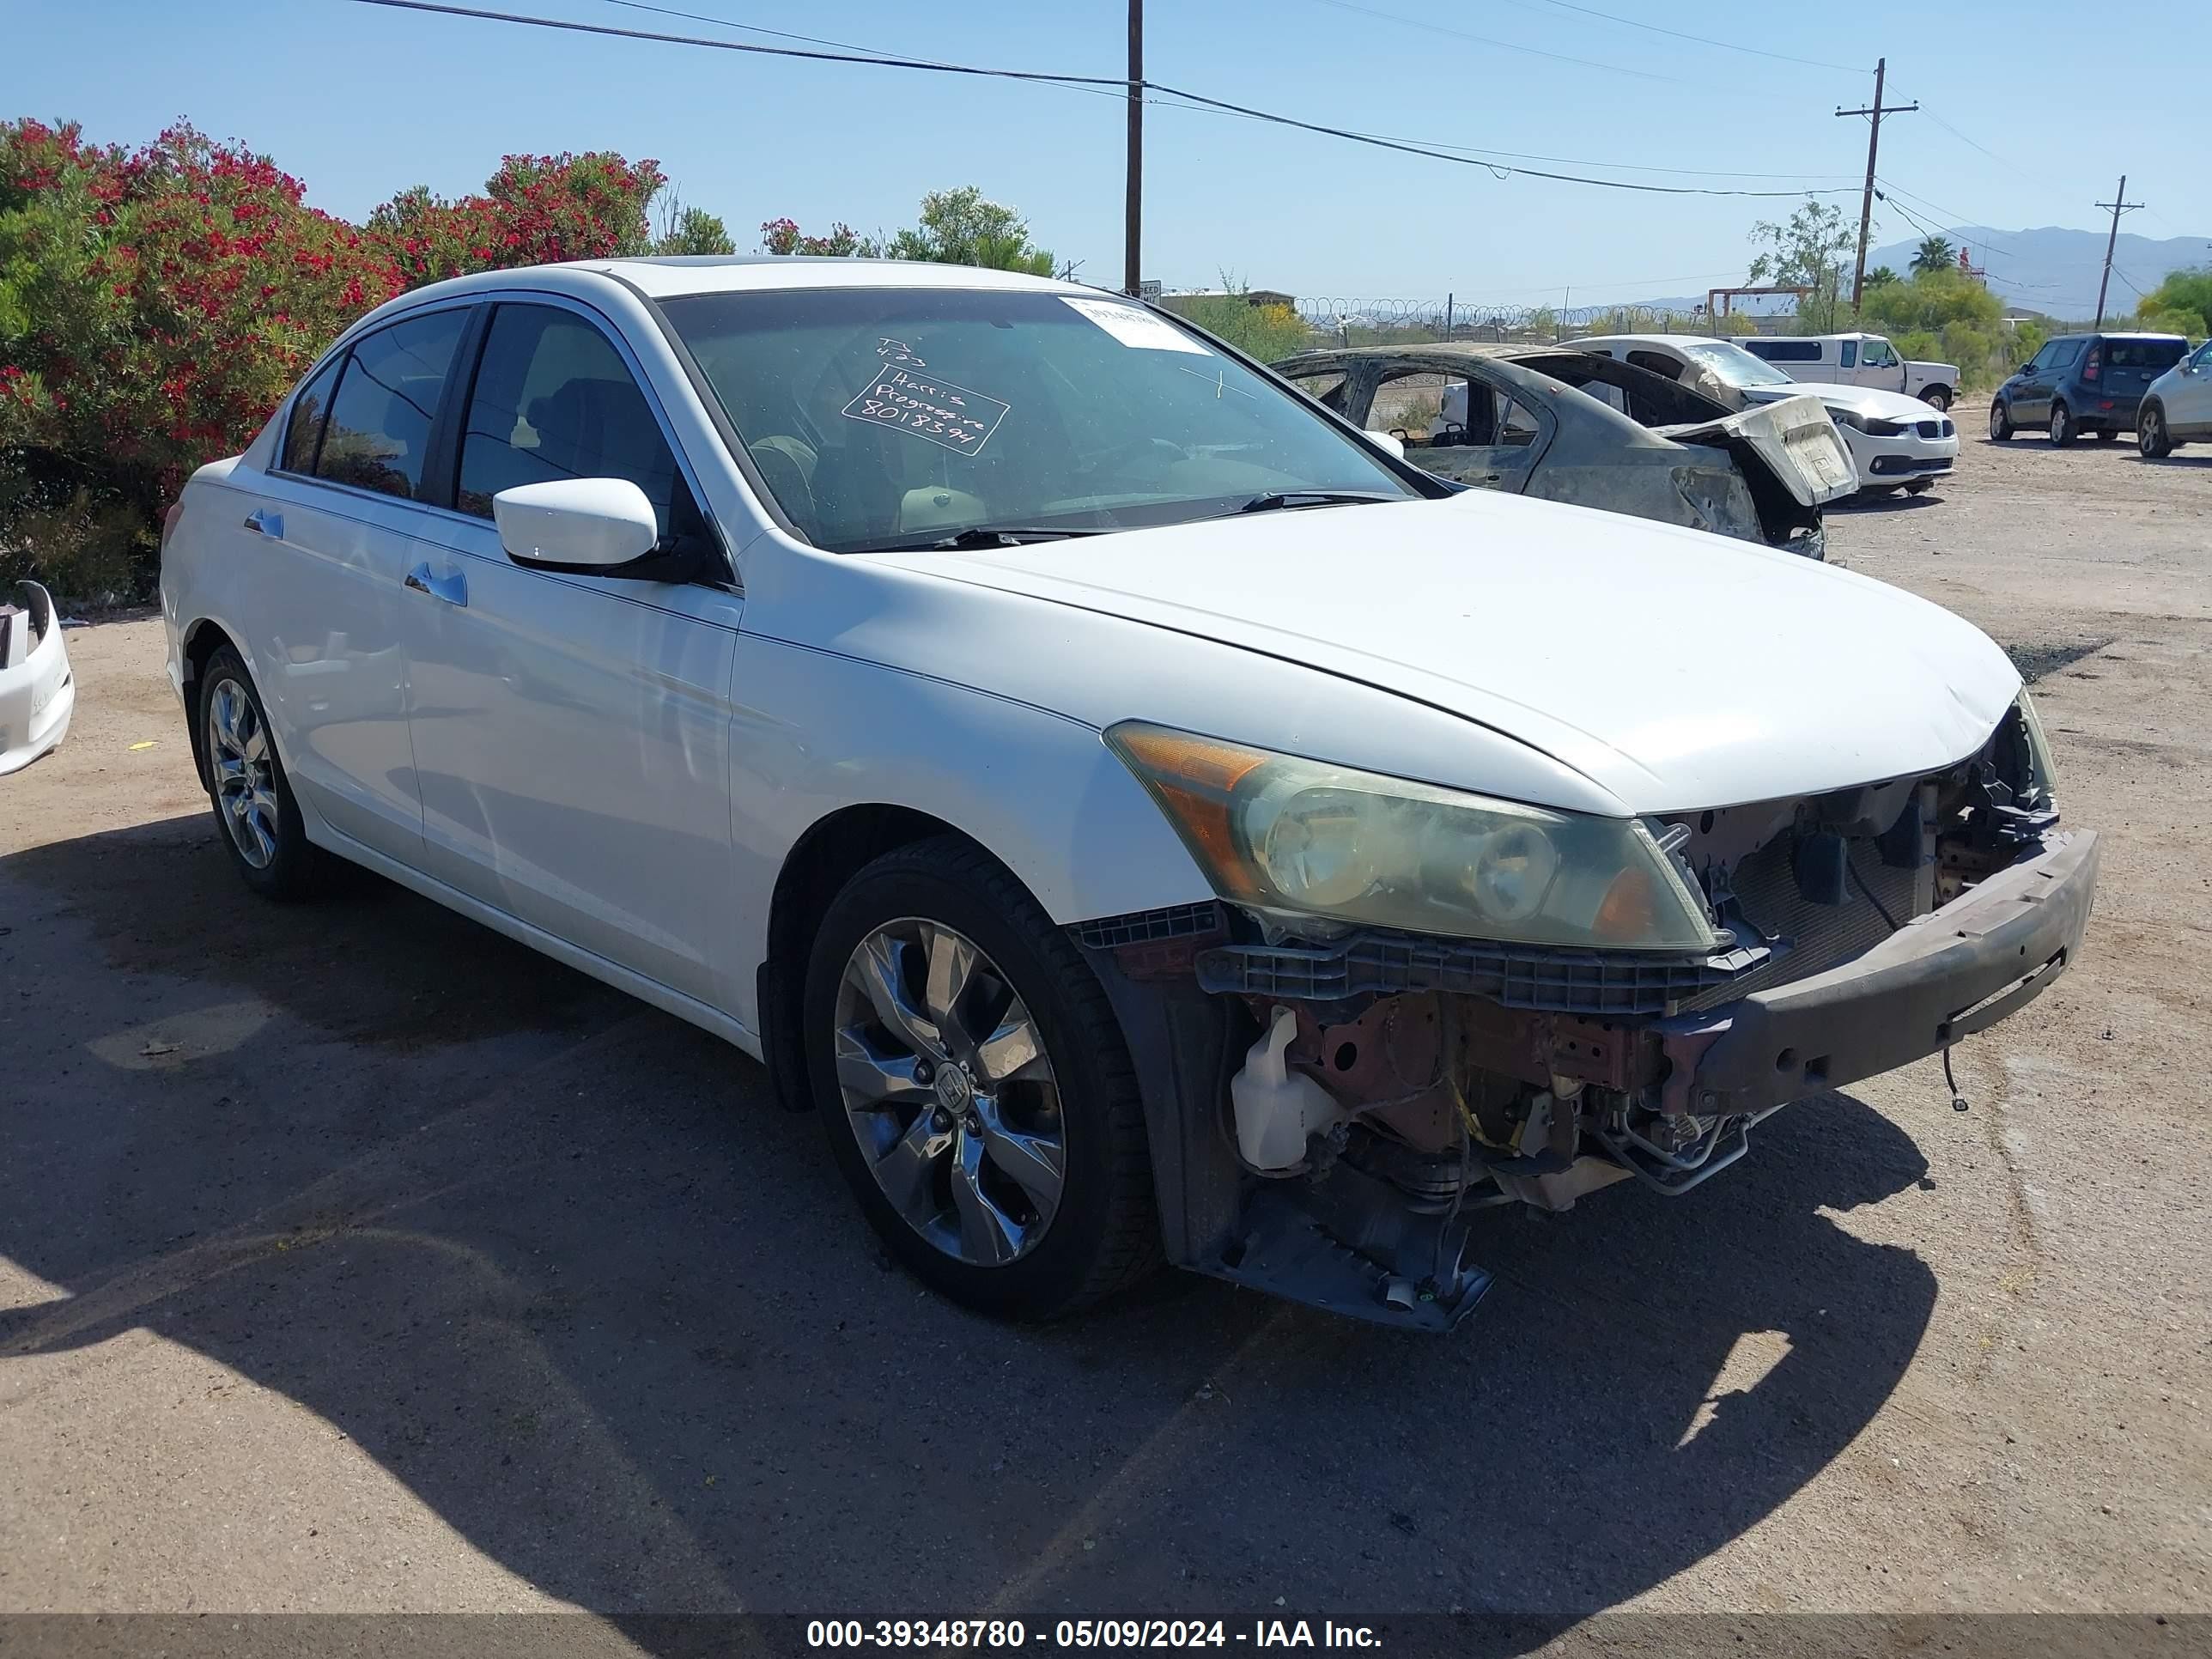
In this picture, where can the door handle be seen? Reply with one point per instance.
(454, 589)
(262, 522)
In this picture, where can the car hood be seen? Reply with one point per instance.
(1674, 669)
(1949, 370)
(1860, 400)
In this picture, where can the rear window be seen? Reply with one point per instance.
(2144, 354)
(379, 428)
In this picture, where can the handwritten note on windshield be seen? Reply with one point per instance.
(945, 414)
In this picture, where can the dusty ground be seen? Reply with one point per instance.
(353, 1259)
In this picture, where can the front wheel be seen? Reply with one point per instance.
(1936, 397)
(976, 1087)
(2001, 428)
(2062, 426)
(2151, 435)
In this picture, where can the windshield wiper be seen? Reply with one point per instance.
(1280, 498)
(979, 534)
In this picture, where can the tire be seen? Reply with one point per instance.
(1920, 486)
(2107, 434)
(245, 783)
(2152, 437)
(1937, 397)
(2001, 426)
(2062, 426)
(956, 1174)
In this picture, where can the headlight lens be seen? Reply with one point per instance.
(1301, 838)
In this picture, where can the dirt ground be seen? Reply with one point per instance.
(353, 1259)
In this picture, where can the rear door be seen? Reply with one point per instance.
(330, 539)
(572, 732)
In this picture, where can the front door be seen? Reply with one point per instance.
(2188, 397)
(329, 538)
(571, 733)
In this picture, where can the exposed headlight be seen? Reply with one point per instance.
(1303, 838)
(1873, 426)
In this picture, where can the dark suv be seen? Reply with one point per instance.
(2083, 383)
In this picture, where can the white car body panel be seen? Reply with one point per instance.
(38, 692)
(617, 771)
(2184, 394)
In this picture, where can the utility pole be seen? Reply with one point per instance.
(2120, 204)
(1132, 223)
(1874, 142)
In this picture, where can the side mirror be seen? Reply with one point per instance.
(2023, 369)
(592, 526)
(1390, 442)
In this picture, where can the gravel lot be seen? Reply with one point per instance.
(353, 1259)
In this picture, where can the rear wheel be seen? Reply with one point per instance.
(2151, 435)
(977, 1088)
(1937, 397)
(2062, 425)
(2000, 421)
(254, 801)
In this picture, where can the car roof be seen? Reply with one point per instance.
(2118, 334)
(667, 276)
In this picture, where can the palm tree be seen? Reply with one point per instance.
(1879, 275)
(1935, 253)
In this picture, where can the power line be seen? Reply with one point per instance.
(1119, 84)
(1959, 223)
(1707, 40)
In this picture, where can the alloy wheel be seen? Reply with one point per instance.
(949, 1091)
(243, 771)
(2062, 430)
(2150, 435)
(2000, 423)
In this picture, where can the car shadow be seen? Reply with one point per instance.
(558, 1263)
(1895, 501)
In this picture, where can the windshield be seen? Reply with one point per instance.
(1735, 366)
(889, 417)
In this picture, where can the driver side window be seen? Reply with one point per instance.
(553, 399)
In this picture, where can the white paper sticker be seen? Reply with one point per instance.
(1132, 326)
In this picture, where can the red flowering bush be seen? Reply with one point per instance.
(156, 304)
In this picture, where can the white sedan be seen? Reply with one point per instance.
(1897, 442)
(1140, 815)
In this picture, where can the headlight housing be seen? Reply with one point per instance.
(2045, 780)
(1300, 838)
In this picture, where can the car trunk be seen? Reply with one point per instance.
(1791, 455)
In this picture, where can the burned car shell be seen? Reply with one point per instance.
(1640, 444)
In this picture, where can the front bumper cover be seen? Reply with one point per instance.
(1940, 977)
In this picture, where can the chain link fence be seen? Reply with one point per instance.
(1353, 321)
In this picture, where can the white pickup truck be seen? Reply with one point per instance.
(1856, 360)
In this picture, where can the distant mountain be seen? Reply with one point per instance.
(2055, 271)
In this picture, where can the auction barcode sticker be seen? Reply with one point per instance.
(1134, 326)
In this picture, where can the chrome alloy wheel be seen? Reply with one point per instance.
(949, 1091)
(243, 771)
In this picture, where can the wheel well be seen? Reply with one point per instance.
(202, 640)
(824, 859)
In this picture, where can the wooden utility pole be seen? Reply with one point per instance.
(2120, 204)
(1874, 143)
(1133, 224)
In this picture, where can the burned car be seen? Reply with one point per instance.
(1573, 426)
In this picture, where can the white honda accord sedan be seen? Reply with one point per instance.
(1143, 817)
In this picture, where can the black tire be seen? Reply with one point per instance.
(2062, 425)
(2001, 426)
(1105, 1233)
(2106, 435)
(2152, 435)
(1937, 397)
(293, 867)
(1920, 486)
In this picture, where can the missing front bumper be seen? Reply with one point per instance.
(1940, 977)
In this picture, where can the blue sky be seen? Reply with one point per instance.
(361, 102)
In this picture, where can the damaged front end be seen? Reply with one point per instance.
(1331, 1100)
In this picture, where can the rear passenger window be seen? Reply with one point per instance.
(380, 422)
(553, 399)
(303, 432)
(2062, 354)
